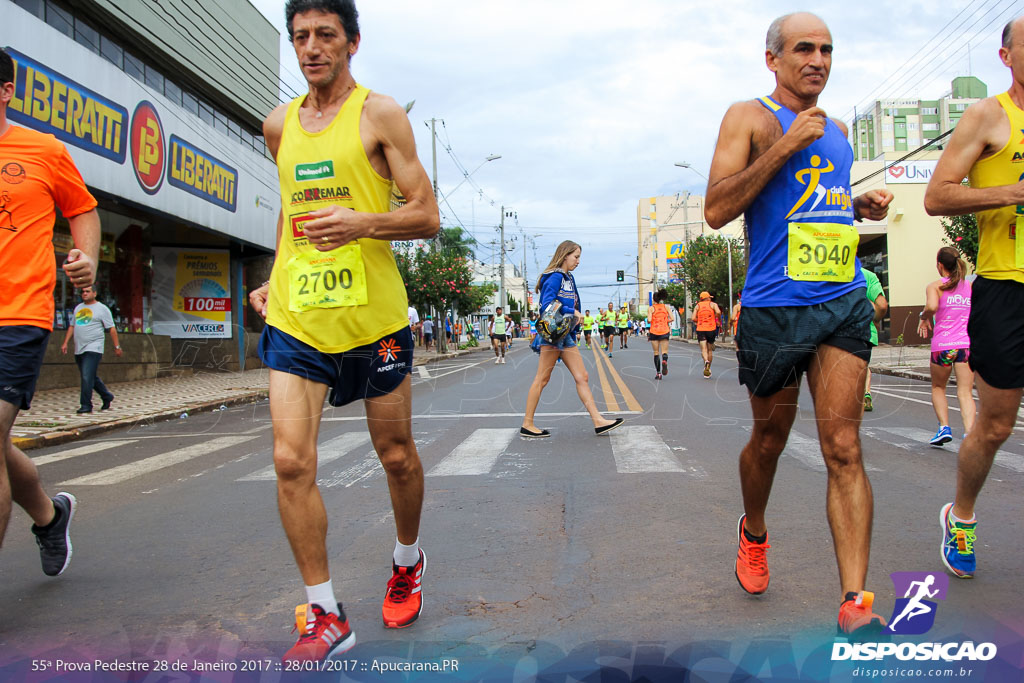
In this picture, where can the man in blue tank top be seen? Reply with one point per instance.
(782, 163)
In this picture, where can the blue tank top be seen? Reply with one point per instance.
(812, 187)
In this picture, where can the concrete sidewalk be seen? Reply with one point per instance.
(52, 419)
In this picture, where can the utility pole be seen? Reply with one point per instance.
(433, 147)
(525, 309)
(686, 238)
(501, 262)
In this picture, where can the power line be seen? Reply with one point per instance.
(187, 35)
(934, 58)
(915, 152)
(919, 55)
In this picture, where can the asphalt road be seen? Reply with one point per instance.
(538, 551)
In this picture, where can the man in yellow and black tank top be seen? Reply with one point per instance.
(987, 147)
(336, 307)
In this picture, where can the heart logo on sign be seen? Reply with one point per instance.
(897, 171)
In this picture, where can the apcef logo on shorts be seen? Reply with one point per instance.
(318, 170)
(387, 350)
(147, 147)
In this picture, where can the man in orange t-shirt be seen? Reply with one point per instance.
(707, 315)
(36, 175)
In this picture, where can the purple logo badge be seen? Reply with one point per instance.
(914, 613)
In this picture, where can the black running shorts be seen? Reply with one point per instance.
(775, 345)
(657, 337)
(22, 348)
(363, 372)
(996, 329)
(708, 336)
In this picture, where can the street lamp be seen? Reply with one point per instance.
(466, 176)
(687, 164)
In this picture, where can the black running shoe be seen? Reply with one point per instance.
(54, 540)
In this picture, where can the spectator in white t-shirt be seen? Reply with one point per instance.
(91, 319)
(428, 332)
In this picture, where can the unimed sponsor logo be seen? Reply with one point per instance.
(318, 170)
(203, 328)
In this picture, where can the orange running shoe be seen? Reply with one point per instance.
(751, 564)
(322, 635)
(856, 618)
(404, 601)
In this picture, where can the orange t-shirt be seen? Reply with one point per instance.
(36, 174)
(659, 317)
(706, 318)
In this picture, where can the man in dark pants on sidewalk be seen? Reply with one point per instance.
(91, 319)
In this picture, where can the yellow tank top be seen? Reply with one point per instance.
(347, 297)
(997, 228)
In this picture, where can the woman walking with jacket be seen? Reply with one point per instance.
(557, 283)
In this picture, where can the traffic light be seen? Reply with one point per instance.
(620, 275)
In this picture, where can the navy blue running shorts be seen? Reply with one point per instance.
(22, 348)
(363, 372)
(775, 345)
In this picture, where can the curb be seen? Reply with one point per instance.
(255, 396)
(57, 438)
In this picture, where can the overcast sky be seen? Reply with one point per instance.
(591, 103)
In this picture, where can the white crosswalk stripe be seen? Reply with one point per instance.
(638, 449)
(121, 473)
(1010, 461)
(86, 449)
(327, 452)
(476, 455)
(807, 451)
(917, 440)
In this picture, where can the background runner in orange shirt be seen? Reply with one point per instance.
(36, 174)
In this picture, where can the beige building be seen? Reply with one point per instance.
(901, 250)
(663, 226)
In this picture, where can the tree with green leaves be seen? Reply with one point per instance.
(961, 232)
(705, 267)
(440, 280)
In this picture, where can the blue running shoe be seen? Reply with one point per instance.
(957, 544)
(943, 436)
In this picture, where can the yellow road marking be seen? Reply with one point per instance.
(609, 398)
(627, 395)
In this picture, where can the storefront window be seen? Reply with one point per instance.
(123, 273)
(86, 35)
(112, 52)
(133, 67)
(60, 20)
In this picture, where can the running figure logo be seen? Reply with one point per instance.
(811, 177)
(914, 613)
(387, 350)
(6, 217)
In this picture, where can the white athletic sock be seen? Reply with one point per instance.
(972, 520)
(323, 594)
(407, 555)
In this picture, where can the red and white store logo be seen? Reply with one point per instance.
(147, 147)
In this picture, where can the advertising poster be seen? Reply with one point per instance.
(191, 293)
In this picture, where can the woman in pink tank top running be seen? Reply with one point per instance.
(949, 304)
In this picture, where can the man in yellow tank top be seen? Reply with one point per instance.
(987, 146)
(336, 307)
